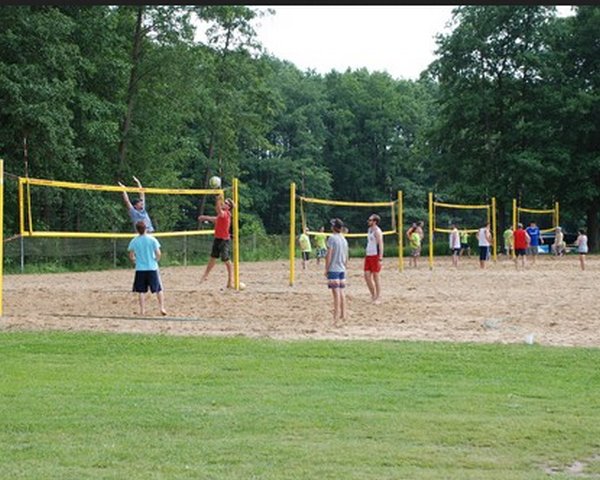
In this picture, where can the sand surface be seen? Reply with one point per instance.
(552, 300)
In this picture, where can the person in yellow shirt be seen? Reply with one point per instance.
(321, 244)
(464, 243)
(305, 247)
(415, 247)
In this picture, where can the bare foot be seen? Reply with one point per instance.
(163, 312)
(376, 301)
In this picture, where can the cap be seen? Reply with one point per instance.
(337, 223)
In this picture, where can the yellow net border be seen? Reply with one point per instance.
(555, 212)
(24, 193)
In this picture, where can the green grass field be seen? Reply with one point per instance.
(79, 406)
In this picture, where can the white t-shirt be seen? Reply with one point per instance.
(582, 244)
(372, 241)
(482, 237)
(454, 239)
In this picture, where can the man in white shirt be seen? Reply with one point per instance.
(484, 237)
(374, 257)
(454, 242)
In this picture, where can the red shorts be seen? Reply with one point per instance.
(372, 264)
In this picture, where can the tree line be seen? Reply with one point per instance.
(97, 94)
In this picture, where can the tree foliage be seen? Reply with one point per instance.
(175, 94)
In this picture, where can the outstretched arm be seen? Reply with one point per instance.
(219, 204)
(139, 184)
(125, 197)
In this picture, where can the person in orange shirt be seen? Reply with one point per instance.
(221, 244)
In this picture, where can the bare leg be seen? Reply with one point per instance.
(142, 299)
(161, 302)
(209, 267)
(370, 285)
(377, 287)
(582, 261)
(342, 302)
(334, 292)
(229, 267)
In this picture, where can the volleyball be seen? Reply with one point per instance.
(215, 182)
(242, 286)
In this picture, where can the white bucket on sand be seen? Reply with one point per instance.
(529, 339)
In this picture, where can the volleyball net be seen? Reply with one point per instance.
(546, 219)
(314, 213)
(467, 218)
(50, 208)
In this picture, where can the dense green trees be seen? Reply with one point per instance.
(175, 94)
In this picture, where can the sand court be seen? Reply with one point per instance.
(553, 301)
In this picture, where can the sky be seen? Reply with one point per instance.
(398, 39)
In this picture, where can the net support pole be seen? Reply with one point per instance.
(1, 237)
(557, 213)
(494, 236)
(236, 235)
(400, 232)
(430, 230)
(514, 223)
(292, 230)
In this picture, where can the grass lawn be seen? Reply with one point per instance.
(79, 406)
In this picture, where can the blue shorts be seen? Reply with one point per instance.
(336, 279)
(147, 278)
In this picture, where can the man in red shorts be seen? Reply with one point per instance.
(374, 257)
(221, 243)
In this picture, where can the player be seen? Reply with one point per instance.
(144, 253)
(536, 239)
(221, 244)
(305, 247)
(508, 236)
(414, 240)
(559, 246)
(582, 246)
(454, 244)
(484, 238)
(336, 263)
(136, 208)
(321, 244)
(373, 257)
(521, 243)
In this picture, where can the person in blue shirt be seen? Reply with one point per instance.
(535, 240)
(136, 208)
(144, 253)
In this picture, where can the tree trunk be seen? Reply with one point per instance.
(131, 90)
(593, 227)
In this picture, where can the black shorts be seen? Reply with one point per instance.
(147, 278)
(306, 256)
(220, 249)
(484, 253)
(520, 252)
